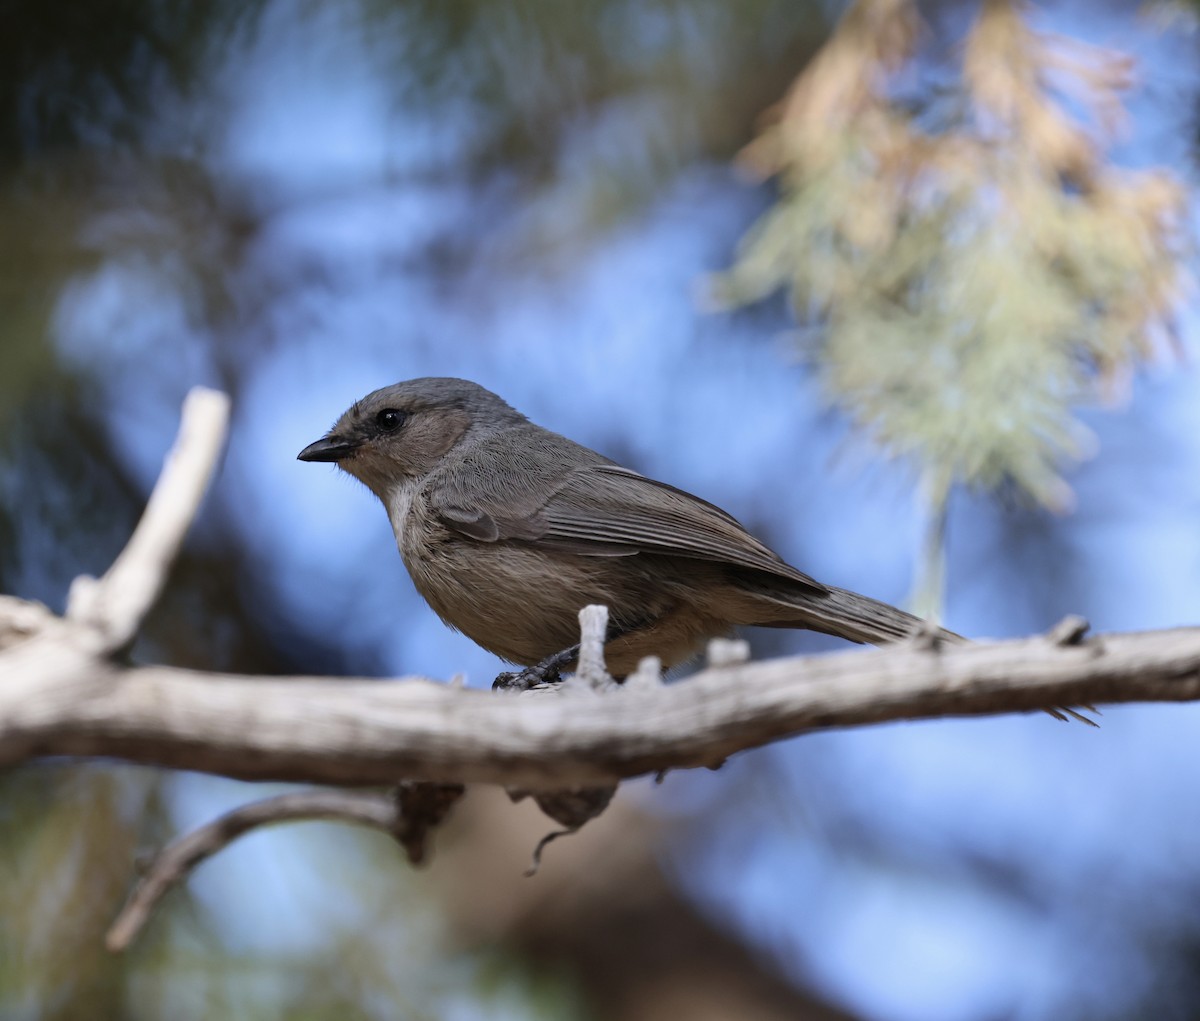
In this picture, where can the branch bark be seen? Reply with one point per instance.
(56, 700)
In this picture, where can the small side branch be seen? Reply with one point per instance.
(593, 625)
(176, 861)
(116, 604)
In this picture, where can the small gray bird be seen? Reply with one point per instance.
(508, 530)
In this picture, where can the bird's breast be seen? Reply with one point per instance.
(400, 508)
(516, 599)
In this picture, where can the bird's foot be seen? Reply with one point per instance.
(548, 671)
(524, 680)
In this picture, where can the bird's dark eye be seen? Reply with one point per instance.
(390, 419)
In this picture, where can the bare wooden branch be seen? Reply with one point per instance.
(55, 700)
(115, 605)
(177, 860)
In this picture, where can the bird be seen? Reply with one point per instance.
(508, 529)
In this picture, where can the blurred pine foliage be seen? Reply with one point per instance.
(967, 262)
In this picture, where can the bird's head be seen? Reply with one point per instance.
(402, 431)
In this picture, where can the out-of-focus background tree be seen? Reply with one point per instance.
(959, 265)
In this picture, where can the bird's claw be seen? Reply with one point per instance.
(548, 671)
(524, 680)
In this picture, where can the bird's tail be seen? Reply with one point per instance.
(846, 614)
(838, 611)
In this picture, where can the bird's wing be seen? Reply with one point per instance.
(602, 509)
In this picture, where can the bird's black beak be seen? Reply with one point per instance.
(328, 448)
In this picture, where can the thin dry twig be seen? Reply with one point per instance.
(175, 862)
(116, 604)
(591, 671)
